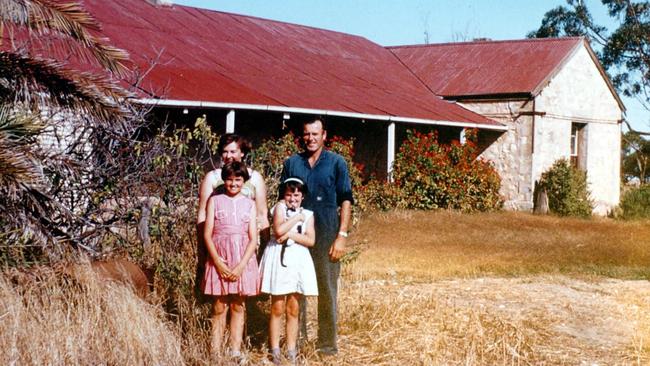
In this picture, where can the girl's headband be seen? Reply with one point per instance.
(297, 180)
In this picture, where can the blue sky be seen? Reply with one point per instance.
(393, 22)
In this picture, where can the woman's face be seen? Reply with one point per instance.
(293, 198)
(233, 185)
(231, 152)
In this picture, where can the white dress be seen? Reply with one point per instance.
(299, 275)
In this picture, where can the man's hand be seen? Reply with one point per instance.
(337, 250)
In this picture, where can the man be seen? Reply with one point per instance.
(328, 185)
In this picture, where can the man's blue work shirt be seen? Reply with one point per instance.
(328, 185)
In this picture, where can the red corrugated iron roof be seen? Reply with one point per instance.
(210, 56)
(487, 67)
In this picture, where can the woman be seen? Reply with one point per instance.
(233, 148)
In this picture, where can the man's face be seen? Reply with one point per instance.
(314, 136)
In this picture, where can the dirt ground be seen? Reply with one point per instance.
(563, 320)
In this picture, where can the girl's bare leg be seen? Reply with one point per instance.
(219, 312)
(275, 321)
(237, 319)
(293, 309)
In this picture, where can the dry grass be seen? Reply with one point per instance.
(529, 321)
(426, 289)
(435, 282)
(425, 246)
(46, 321)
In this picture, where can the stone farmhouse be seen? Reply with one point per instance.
(532, 101)
(552, 94)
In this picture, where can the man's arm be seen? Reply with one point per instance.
(337, 250)
(345, 200)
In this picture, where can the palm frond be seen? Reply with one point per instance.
(25, 79)
(17, 164)
(16, 128)
(17, 171)
(51, 19)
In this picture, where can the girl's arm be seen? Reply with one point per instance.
(252, 244)
(282, 225)
(308, 239)
(222, 268)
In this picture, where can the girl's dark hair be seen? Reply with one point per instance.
(229, 138)
(236, 169)
(293, 184)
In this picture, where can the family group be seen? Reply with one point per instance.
(301, 245)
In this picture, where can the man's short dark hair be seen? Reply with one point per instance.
(320, 119)
(236, 169)
(229, 138)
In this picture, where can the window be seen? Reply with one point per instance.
(577, 145)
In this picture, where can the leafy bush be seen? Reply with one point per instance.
(377, 194)
(269, 157)
(428, 175)
(566, 188)
(635, 203)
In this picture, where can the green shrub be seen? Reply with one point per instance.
(377, 194)
(269, 157)
(566, 188)
(428, 175)
(635, 203)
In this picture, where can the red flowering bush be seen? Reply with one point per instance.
(345, 148)
(428, 175)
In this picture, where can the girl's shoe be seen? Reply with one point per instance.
(238, 358)
(276, 356)
(292, 356)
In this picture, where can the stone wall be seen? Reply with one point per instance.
(539, 133)
(579, 94)
(511, 152)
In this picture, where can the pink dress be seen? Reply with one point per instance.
(230, 235)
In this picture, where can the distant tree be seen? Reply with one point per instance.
(624, 51)
(636, 157)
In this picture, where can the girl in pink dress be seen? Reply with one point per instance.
(231, 271)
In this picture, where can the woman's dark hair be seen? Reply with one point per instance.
(236, 169)
(229, 138)
(293, 184)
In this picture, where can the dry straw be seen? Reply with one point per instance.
(50, 321)
(425, 289)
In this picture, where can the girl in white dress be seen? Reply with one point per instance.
(286, 268)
